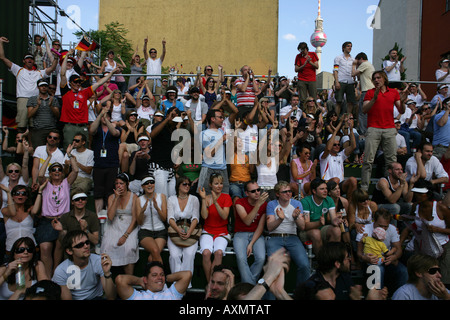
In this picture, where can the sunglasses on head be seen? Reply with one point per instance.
(434, 270)
(23, 249)
(20, 193)
(254, 190)
(82, 244)
(15, 171)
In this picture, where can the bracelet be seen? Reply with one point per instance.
(126, 234)
(108, 277)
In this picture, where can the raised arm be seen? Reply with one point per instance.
(5, 60)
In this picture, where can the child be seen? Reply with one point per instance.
(376, 246)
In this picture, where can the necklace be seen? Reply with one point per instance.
(182, 197)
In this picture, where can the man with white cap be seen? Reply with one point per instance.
(161, 165)
(332, 160)
(79, 218)
(43, 109)
(139, 163)
(26, 81)
(171, 100)
(158, 116)
(198, 108)
(441, 95)
(441, 130)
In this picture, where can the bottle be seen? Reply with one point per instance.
(20, 277)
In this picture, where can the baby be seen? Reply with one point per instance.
(376, 246)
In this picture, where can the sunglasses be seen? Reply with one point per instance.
(76, 140)
(82, 244)
(363, 200)
(15, 171)
(53, 137)
(81, 199)
(434, 270)
(336, 144)
(286, 191)
(186, 184)
(149, 182)
(57, 169)
(254, 190)
(152, 51)
(20, 193)
(23, 249)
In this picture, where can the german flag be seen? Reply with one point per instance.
(87, 45)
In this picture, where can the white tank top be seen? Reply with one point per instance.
(267, 176)
(152, 220)
(16, 230)
(110, 68)
(116, 114)
(437, 222)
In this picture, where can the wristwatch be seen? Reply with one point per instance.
(263, 283)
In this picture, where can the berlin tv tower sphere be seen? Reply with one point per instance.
(318, 39)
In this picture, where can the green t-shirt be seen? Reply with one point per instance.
(315, 210)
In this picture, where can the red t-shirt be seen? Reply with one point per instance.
(308, 73)
(74, 105)
(381, 115)
(446, 165)
(239, 225)
(214, 224)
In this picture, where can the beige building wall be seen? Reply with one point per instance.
(201, 32)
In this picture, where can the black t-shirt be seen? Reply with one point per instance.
(162, 146)
(342, 290)
(111, 144)
(141, 169)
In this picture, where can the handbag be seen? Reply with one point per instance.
(193, 238)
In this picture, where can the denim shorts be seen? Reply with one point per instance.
(44, 231)
(144, 233)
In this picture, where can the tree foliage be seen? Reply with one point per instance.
(113, 37)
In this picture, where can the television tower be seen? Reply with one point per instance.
(319, 38)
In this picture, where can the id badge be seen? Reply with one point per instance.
(103, 153)
(76, 104)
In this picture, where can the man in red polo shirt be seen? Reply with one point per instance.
(378, 105)
(306, 64)
(74, 111)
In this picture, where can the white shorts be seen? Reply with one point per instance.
(208, 243)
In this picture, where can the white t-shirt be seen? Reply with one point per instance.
(154, 67)
(26, 81)
(288, 225)
(394, 74)
(392, 235)
(433, 167)
(249, 138)
(145, 113)
(285, 110)
(86, 158)
(333, 166)
(41, 153)
(401, 142)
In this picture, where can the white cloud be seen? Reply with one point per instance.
(289, 37)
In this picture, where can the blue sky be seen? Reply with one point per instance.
(344, 20)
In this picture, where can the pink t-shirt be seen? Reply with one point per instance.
(301, 171)
(56, 199)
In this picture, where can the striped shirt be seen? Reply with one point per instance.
(248, 96)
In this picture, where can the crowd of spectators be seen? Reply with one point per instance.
(106, 167)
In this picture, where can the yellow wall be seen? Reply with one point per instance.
(201, 32)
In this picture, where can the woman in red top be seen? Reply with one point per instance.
(215, 237)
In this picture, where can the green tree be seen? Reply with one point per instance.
(113, 37)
